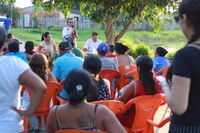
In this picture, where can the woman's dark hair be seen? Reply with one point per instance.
(29, 46)
(92, 64)
(120, 48)
(39, 65)
(169, 75)
(111, 48)
(191, 8)
(44, 35)
(145, 64)
(78, 84)
(161, 51)
(2, 37)
(13, 46)
(9, 35)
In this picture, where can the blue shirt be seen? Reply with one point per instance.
(18, 54)
(7, 23)
(63, 65)
(160, 62)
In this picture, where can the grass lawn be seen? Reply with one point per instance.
(170, 39)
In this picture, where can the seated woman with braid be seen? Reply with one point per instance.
(78, 114)
(146, 85)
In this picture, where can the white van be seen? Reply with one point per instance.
(2, 18)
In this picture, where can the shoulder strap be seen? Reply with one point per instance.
(195, 46)
(95, 109)
(57, 120)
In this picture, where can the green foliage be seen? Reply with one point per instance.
(171, 55)
(140, 49)
(54, 27)
(36, 21)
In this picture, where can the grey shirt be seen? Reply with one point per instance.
(108, 64)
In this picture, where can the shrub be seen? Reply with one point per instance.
(170, 56)
(140, 49)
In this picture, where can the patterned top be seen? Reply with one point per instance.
(103, 90)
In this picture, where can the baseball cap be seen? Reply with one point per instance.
(103, 48)
(94, 33)
(65, 46)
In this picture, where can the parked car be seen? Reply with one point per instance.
(2, 20)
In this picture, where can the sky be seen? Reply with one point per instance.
(22, 3)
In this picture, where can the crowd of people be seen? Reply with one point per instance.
(79, 70)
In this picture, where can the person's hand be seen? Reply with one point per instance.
(21, 111)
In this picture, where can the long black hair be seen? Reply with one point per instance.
(78, 84)
(44, 35)
(191, 8)
(145, 64)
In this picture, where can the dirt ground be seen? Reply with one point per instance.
(158, 118)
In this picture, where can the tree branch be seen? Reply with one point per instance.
(123, 31)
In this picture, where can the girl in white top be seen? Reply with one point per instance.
(47, 46)
(69, 30)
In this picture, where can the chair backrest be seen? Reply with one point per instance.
(162, 71)
(52, 90)
(145, 108)
(115, 106)
(114, 77)
(78, 131)
(128, 73)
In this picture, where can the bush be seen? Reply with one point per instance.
(140, 49)
(170, 56)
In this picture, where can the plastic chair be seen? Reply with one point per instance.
(78, 131)
(145, 109)
(44, 108)
(128, 73)
(115, 106)
(151, 123)
(114, 77)
(25, 119)
(162, 72)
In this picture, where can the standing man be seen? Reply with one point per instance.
(92, 44)
(69, 30)
(7, 24)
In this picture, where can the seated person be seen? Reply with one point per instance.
(122, 58)
(75, 50)
(10, 37)
(13, 49)
(146, 85)
(160, 61)
(39, 65)
(93, 65)
(107, 63)
(111, 51)
(78, 114)
(29, 46)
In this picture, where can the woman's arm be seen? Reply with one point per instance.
(40, 50)
(52, 78)
(38, 87)
(178, 95)
(128, 92)
(51, 121)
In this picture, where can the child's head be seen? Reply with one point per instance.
(92, 64)
(13, 46)
(29, 46)
(120, 48)
(111, 48)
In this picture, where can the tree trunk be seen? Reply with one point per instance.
(110, 30)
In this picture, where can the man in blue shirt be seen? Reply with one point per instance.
(64, 64)
(160, 61)
(7, 24)
(13, 49)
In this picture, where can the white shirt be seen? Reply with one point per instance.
(92, 46)
(67, 31)
(47, 47)
(10, 70)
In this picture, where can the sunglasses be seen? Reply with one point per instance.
(71, 22)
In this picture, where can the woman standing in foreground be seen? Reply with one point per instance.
(183, 96)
